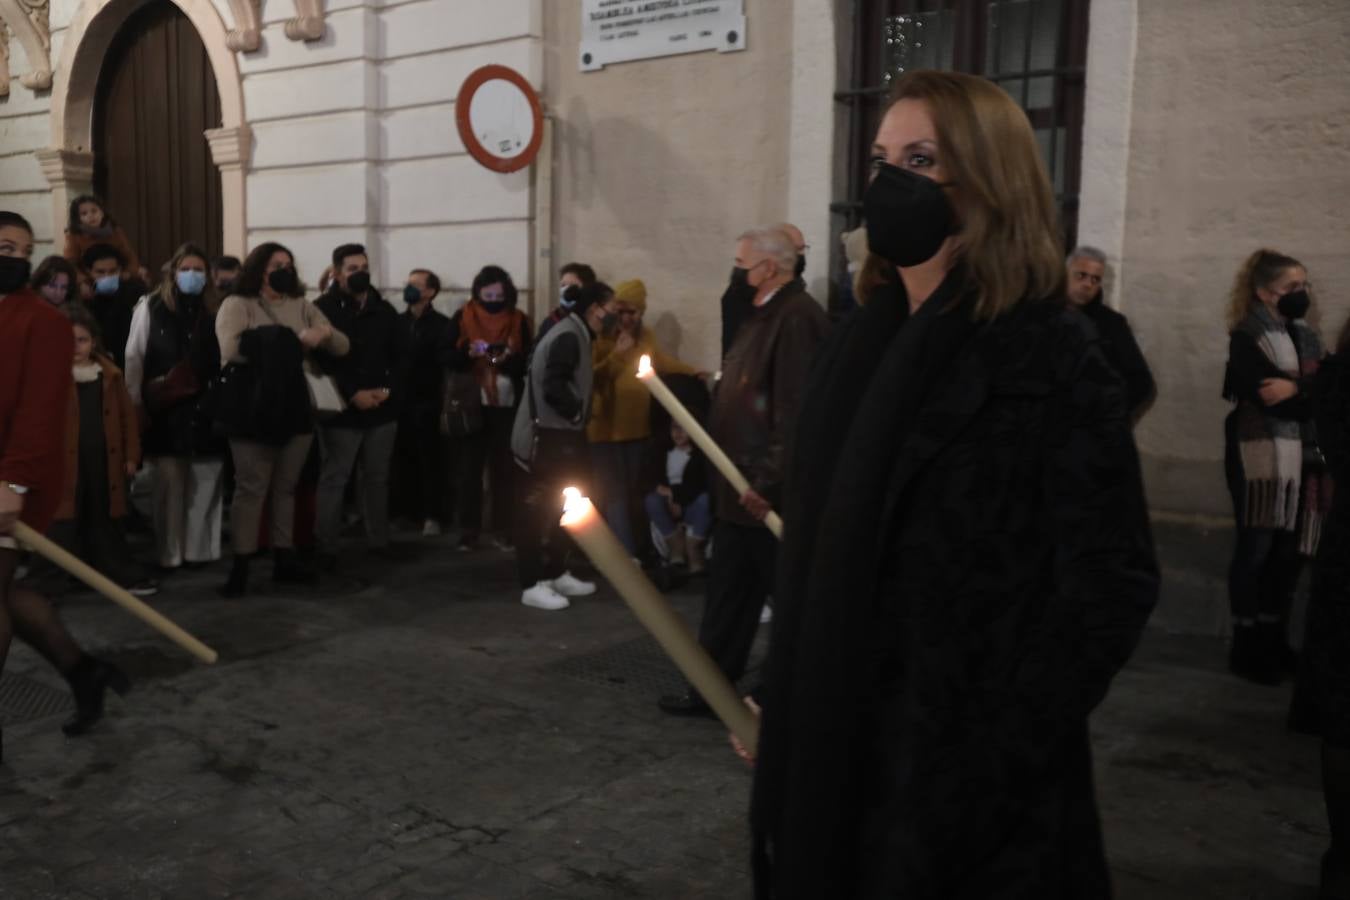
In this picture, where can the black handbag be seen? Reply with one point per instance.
(236, 400)
(462, 409)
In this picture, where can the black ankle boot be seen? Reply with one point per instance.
(88, 680)
(1250, 656)
(237, 584)
(287, 569)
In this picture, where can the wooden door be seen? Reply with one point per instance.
(152, 165)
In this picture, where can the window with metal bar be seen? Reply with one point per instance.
(1035, 49)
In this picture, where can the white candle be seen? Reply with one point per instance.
(685, 419)
(57, 555)
(596, 540)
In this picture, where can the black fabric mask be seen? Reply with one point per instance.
(226, 287)
(1294, 305)
(358, 283)
(740, 279)
(284, 281)
(800, 267)
(14, 273)
(610, 323)
(908, 216)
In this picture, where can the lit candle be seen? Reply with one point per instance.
(685, 419)
(594, 537)
(62, 558)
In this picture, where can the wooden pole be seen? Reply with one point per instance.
(116, 593)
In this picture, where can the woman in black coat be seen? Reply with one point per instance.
(1325, 672)
(967, 561)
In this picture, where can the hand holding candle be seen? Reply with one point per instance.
(609, 556)
(681, 414)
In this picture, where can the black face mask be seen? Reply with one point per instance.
(1294, 305)
(14, 273)
(358, 283)
(609, 323)
(908, 216)
(226, 287)
(798, 269)
(284, 281)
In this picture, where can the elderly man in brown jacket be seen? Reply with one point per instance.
(753, 417)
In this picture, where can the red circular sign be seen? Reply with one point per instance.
(505, 130)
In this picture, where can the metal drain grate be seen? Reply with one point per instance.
(639, 665)
(25, 700)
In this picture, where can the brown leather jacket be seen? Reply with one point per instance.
(754, 412)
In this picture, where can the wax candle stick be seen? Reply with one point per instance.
(598, 542)
(58, 556)
(685, 419)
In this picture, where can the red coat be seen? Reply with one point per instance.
(36, 347)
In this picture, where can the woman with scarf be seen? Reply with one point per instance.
(967, 559)
(488, 345)
(1271, 459)
(172, 359)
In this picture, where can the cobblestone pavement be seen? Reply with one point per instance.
(410, 730)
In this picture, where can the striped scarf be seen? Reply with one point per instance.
(1286, 487)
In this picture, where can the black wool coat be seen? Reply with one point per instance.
(1325, 670)
(966, 565)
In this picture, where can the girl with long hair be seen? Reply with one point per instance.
(89, 225)
(1271, 457)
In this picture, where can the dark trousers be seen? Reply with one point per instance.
(94, 535)
(490, 448)
(740, 580)
(542, 546)
(420, 480)
(1266, 565)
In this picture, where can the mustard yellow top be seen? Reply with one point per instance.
(620, 405)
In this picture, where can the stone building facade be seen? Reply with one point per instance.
(1211, 127)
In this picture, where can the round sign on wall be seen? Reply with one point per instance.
(500, 118)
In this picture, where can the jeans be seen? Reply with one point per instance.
(542, 545)
(618, 476)
(697, 518)
(342, 447)
(490, 448)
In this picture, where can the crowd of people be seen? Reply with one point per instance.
(966, 568)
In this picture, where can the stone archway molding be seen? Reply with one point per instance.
(28, 22)
(68, 164)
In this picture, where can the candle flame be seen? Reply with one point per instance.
(644, 367)
(575, 505)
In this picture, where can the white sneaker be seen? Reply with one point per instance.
(431, 528)
(571, 586)
(766, 615)
(543, 596)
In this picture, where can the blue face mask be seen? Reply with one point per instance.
(108, 284)
(191, 282)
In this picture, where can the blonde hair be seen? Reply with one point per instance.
(168, 286)
(1009, 239)
(1260, 270)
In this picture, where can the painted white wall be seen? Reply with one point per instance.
(811, 140)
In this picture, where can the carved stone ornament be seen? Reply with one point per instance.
(4, 59)
(246, 37)
(28, 22)
(309, 24)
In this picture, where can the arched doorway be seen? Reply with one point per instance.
(156, 98)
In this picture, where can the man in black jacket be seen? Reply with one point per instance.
(754, 415)
(738, 299)
(1087, 269)
(371, 379)
(421, 477)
